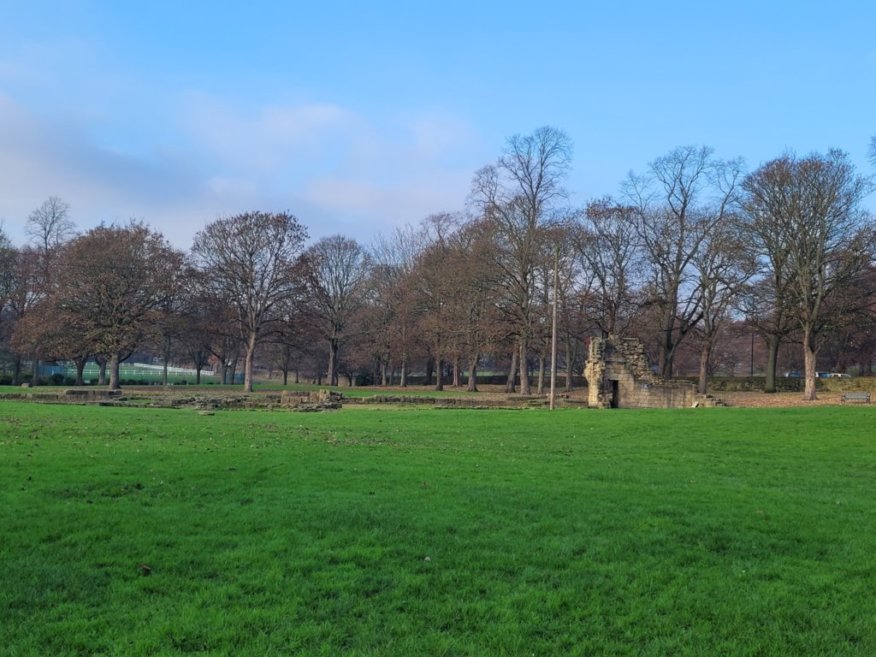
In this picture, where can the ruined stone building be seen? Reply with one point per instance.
(619, 376)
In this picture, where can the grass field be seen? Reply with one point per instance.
(437, 532)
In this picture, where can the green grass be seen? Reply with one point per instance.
(410, 532)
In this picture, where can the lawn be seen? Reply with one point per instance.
(368, 531)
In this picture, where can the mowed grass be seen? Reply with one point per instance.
(437, 532)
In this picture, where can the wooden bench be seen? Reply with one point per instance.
(862, 396)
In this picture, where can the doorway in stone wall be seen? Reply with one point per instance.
(615, 393)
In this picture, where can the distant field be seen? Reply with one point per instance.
(371, 531)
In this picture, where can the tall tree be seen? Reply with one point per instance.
(518, 194)
(27, 284)
(723, 266)
(393, 286)
(815, 206)
(49, 227)
(768, 301)
(473, 286)
(609, 247)
(111, 282)
(434, 288)
(683, 197)
(9, 280)
(337, 271)
(249, 263)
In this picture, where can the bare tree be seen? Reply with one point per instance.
(26, 285)
(393, 335)
(50, 226)
(433, 287)
(768, 301)
(609, 247)
(682, 198)
(518, 194)
(473, 286)
(337, 271)
(814, 203)
(249, 264)
(723, 266)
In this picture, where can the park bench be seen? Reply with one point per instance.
(862, 396)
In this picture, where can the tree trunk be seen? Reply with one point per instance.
(705, 355)
(540, 379)
(403, 378)
(101, 371)
(333, 361)
(80, 371)
(809, 356)
(439, 367)
(509, 384)
(473, 374)
(34, 372)
(383, 377)
(456, 368)
(665, 354)
(285, 376)
(523, 366)
(430, 368)
(772, 343)
(568, 365)
(114, 382)
(165, 358)
(16, 371)
(247, 363)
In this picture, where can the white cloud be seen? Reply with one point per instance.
(336, 169)
(268, 138)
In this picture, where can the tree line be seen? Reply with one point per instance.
(688, 250)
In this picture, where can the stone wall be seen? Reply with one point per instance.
(619, 376)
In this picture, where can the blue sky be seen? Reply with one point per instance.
(361, 116)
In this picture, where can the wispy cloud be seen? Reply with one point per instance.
(337, 169)
(266, 139)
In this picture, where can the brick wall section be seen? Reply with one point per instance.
(619, 366)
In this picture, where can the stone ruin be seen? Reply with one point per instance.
(619, 376)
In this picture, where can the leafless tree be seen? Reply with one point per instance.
(609, 246)
(723, 265)
(249, 264)
(768, 301)
(433, 288)
(392, 334)
(337, 271)
(518, 194)
(50, 226)
(26, 285)
(826, 237)
(683, 197)
(473, 285)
